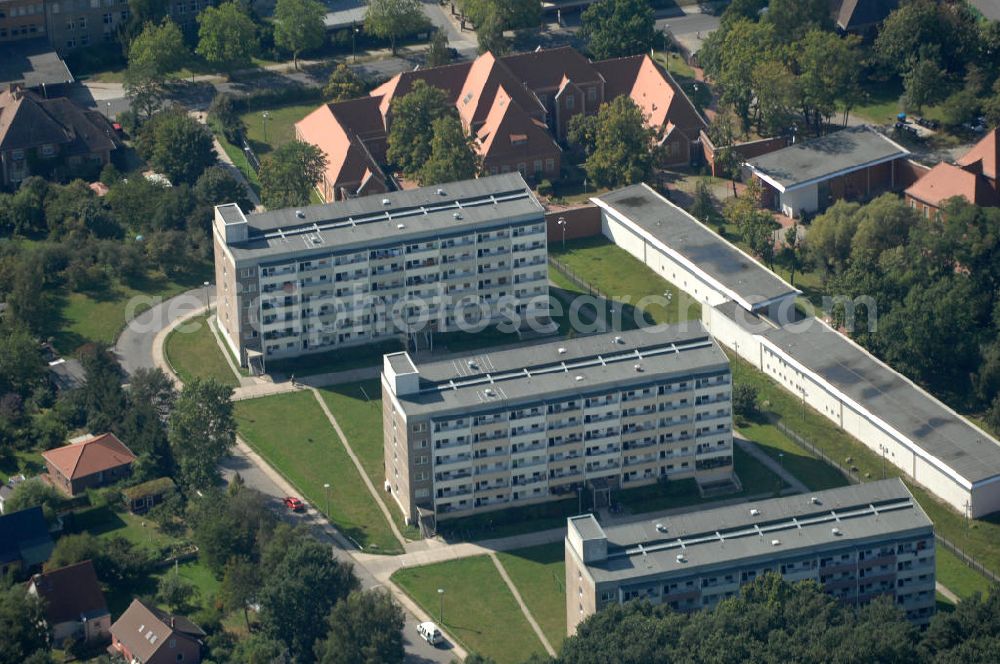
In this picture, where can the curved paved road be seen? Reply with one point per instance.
(134, 350)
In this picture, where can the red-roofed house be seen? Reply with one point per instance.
(75, 608)
(92, 462)
(517, 107)
(972, 177)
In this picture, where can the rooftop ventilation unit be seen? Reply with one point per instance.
(300, 214)
(638, 368)
(440, 191)
(400, 226)
(754, 511)
(579, 378)
(561, 350)
(472, 364)
(836, 532)
(619, 340)
(489, 392)
(775, 542)
(457, 215)
(681, 558)
(661, 528)
(814, 500)
(386, 201)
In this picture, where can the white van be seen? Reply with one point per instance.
(430, 633)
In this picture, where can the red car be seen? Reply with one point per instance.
(294, 504)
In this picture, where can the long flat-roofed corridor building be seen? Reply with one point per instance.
(857, 542)
(364, 270)
(469, 433)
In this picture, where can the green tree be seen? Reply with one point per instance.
(364, 628)
(35, 493)
(828, 66)
(776, 90)
(438, 54)
(703, 207)
(102, 396)
(23, 637)
(794, 18)
(489, 33)
(240, 582)
(510, 14)
(227, 525)
(227, 36)
(217, 186)
(302, 584)
(959, 108)
(922, 84)
(21, 364)
(617, 28)
(178, 146)
(202, 431)
(948, 30)
(453, 154)
(260, 649)
(412, 126)
(288, 175)
(158, 49)
(176, 592)
(392, 19)
(298, 26)
(791, 254)
(343, 84)
(745, 402)
(722, 133)
(756, 226)
(223, 110)
(730, 61)
(623, 145)
(830, 236)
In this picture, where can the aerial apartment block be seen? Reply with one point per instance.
(375, 269)
(465, 434)
(857, 542)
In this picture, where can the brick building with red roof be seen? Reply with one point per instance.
(972, 177)
(93, 462)
(518, 108)
(75, 608)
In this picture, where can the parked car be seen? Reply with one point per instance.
(294, 504)
(430, 633)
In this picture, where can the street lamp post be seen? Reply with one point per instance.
(326, 486)
(781, 460)
(107, 111)
(562, 224)
(354, 48)
(441, 605)
(579, 500)
(265, 115)
(207, 296)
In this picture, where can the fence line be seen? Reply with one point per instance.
(959, 552)
(576, 279)
(250, 154)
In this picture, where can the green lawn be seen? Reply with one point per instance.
(99, 317)
(479, 609)
(238, 158)
(814, 472)
(13, 462)
(193, 352)
(280, 125)
(621, 277)
(539, 572)
(958, 577)
(361, 420)
(293, 435)
(107, 522)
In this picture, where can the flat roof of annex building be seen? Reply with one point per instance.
(732, 271)
(891, 398)
(554, 370)
(825, 157)
(384, 219)
(754, 531)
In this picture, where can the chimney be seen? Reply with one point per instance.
(172, 621)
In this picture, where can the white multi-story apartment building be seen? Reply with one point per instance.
(380, 268)
(857, 542)
(516, 426)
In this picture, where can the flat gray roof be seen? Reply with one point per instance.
(587, 526)
(34, 62)
(778, 527)
(401, 363)
(745, 278)
(555, 369)
(821, 158)
(931, 425)
(393, 218)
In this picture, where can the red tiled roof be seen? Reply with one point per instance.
(449, 78)
(545, 69)
(143, 629)
(70, 593)
(486, 76)
(347, 159)
(509, 130)
(986, 151)
(945, 181)
(90, 456)
(653, 90)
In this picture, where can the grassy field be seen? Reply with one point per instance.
(621, 277)
(193, 352)
(958, 577)
(99, 317)
(361, 420)
(292, 434)
(280, 126)
(479, 609)
(539, 572)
